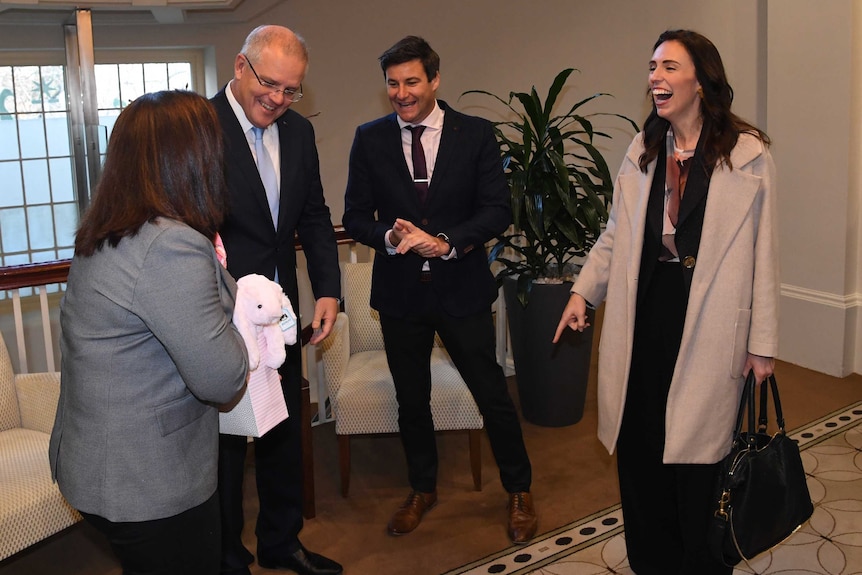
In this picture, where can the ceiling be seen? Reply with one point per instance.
(133, 11)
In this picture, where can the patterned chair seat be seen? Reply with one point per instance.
(31, 506)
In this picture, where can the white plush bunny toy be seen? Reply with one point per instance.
(265, 319)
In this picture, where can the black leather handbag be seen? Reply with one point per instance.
(762, 496)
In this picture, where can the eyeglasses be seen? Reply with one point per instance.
(292, 94)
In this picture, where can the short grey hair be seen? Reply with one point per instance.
(274, 36)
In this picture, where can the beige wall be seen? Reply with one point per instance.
(854, 213)
(793, 64)
(814, 111)
(497, 46)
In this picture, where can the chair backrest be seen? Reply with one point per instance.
(365, 333)
(10, 416)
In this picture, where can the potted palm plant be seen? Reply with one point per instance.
(561, 190)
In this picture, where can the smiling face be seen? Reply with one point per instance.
(411, 94)
(264, 104)
(673, 83)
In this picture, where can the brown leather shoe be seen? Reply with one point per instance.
(522, 517)
(408, 516)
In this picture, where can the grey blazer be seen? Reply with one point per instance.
(148, 348)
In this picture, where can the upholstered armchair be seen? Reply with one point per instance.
(360, 386)
(31, 506)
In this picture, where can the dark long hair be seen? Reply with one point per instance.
(164, 159)
(721, 127)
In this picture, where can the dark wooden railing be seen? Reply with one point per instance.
(32, 275)
(38, 274)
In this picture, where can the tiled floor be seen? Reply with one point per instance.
(573, 478)
(830, 543)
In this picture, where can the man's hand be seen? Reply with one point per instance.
(325, 310)
(407, 237)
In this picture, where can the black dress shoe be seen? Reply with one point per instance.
(303, 562)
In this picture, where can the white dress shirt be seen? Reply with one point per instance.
(431, 144)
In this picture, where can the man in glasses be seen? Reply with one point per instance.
(274, 185)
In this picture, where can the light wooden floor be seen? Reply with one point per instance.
(573, 476)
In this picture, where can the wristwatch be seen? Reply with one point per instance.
(446, 239)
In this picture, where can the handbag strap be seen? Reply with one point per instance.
(750, 386)
(762, 419)
(743, 403)
(779, 415)
(747, 407)
(776, 400)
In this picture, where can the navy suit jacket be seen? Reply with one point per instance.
(468, 200)
(250, 239)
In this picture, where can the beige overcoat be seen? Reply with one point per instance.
(732, 308)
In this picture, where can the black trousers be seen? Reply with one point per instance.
(184, 544)
(278, 475)
(666, 508)
(471, 344)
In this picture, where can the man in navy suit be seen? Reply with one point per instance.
(258, 235)
(431, 273)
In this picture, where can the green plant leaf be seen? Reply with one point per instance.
(555, 89)
(559, 182)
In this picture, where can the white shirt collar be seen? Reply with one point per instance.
(433, 121)
(237, 109)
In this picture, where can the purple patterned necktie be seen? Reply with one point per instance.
(420, 170)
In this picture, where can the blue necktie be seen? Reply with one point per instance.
(267, 174)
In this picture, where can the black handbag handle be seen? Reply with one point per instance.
(779, 416)
(746, 401)
(762, 419)
(747, 406)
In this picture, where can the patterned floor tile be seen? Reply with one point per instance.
(829, 544)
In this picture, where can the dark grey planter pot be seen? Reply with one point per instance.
(552, 378)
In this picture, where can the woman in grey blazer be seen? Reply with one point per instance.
(148, 347)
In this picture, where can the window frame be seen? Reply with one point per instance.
(194, 56)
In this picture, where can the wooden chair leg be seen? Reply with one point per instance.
(476, 457)
(344, 462)
(308, 507)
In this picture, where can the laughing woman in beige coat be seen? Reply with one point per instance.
(688, 265)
